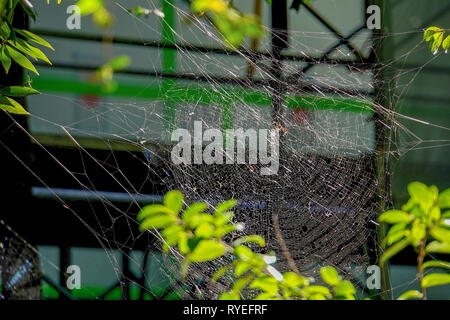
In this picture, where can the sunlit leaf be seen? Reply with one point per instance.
(410, 294)
(435, 279)
(31, 36)
(17, 91)
(252, 238)
(174, 201)
(438, 247)
(329, 275)
(393, 250)
(21, 59)
(157, 222)
(436, 264)
(11, 105)
(395, 216)
(207, 250)
(153, 209)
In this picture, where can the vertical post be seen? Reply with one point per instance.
(279, 42)
(381, 91)
(64, 262)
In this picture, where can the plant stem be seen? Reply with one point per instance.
(420, 258)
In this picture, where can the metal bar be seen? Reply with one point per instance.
(198, 49)
(333, 29)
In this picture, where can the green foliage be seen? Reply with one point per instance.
(233, 25)
(420, 223)
(435, 38)
(96, 8)
(104, 74)
(198, 236)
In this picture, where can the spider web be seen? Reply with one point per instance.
(325, 195)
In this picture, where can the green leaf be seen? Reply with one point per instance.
(207, 250)
(225, 206)
(172, 234)
(293, 280)
(438, 37)
(220, 273)
(329, 275)
(435, 279)
(429, 32)
(31, 36)
(229, 296)
(444, 198)
(241, 267)
(345, 288)
(204, 230)
(266, 283)
(157, 222)
(421, 194)
(252, 238)
(119, 62)
(395, 216)
(438, 247)
(446, 43)
(16, 91)
(410, 294)
(33, 52)
(153, 209)
(21, 59)
(393, 250)
(418, 232)
(441, 234)
(193, 209)
(11, 105)
(174, 201)
(223, 218)
(6, 59)
(89, 6)
(436, 264)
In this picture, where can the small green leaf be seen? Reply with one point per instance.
(225, 206)
(393, 250)
(252, 238)
(429, 32)
(11, 105)
(153, 209)
(220, 273)
(329, 275)
(33, 52)
(421, 194)
(345, 288)
(241, 267)
(438, 247)
(193, 209)
(174, 201)
(16, 91)
(441, 234)
(6, 59)
(410, 294)
(207, 250)
(157, 222)
(435, 279)
(446, 43)
(119, 62)
(436, 264)
(266, 283)
(444, 198)
(204, 230)
(293, 280)
(229, 296)
(29, 35)
(21, 59)
(395, 216)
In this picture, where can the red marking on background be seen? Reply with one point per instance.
(300, 115)
(91, 101)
